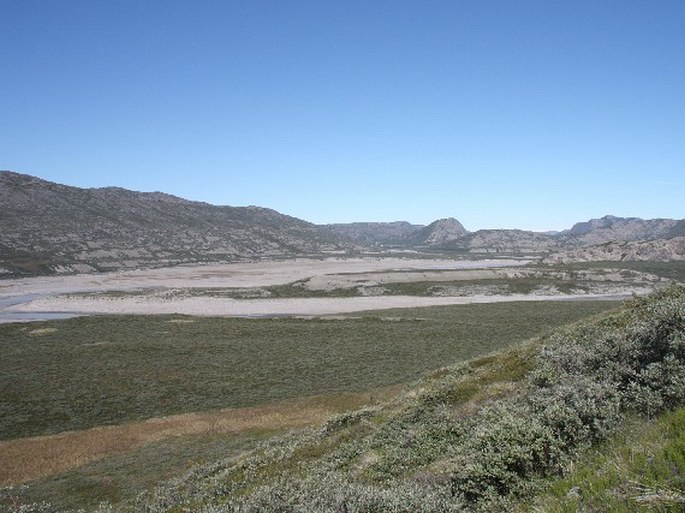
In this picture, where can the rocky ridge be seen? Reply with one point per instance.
(51, 228)
(612, 228)
(48, 228)
(660, 250)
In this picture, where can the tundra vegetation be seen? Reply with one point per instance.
(587, 417)
(90, 371)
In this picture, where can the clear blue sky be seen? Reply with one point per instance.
(527, 114)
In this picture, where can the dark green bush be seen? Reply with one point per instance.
(586, 379)
(432, 459)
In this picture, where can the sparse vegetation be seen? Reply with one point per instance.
(491, 434)
(674, 270)
(92, 371)
(486, 435)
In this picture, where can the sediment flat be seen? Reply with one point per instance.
(58, 295)
(211, 306)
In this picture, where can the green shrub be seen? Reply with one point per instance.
(439, 455)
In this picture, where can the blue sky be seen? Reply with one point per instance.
(503, 114)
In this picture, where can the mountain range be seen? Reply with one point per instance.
(49, 228)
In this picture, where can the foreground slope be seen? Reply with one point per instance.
(47, 227)
(487, 435)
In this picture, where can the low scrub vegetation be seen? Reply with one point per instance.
(640, 468)
(492, 434)
(481, 436)
(86, 372)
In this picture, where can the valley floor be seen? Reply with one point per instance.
(306, 287)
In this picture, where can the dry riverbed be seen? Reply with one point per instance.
(138, 292)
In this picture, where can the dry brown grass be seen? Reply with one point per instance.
(25, 459)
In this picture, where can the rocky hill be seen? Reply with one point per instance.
(50, 228)
(376, 234)
(659, 250)
(612, 228)
(400, 234)
(438, 232)
(612, 238)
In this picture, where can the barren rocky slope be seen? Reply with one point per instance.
(612, 228)
(660, 250)
(46, 228)
(438, 232)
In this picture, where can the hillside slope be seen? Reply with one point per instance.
(504, 241)
(612, 228)
(375, 234)
(660, 250)
(47, 227)
(483, 436)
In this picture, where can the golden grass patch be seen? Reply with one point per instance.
(24, 459)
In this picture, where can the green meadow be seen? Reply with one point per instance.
(91, 371)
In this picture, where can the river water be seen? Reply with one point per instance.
(7, 315)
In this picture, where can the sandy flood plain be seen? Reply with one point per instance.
(22, 297)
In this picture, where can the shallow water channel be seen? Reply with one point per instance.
(8, 315)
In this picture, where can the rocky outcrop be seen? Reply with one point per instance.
(375, 234)
(438, 232)
(612, 228)
(661, 250)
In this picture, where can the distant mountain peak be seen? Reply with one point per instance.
(448, 222)
(441, 231)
